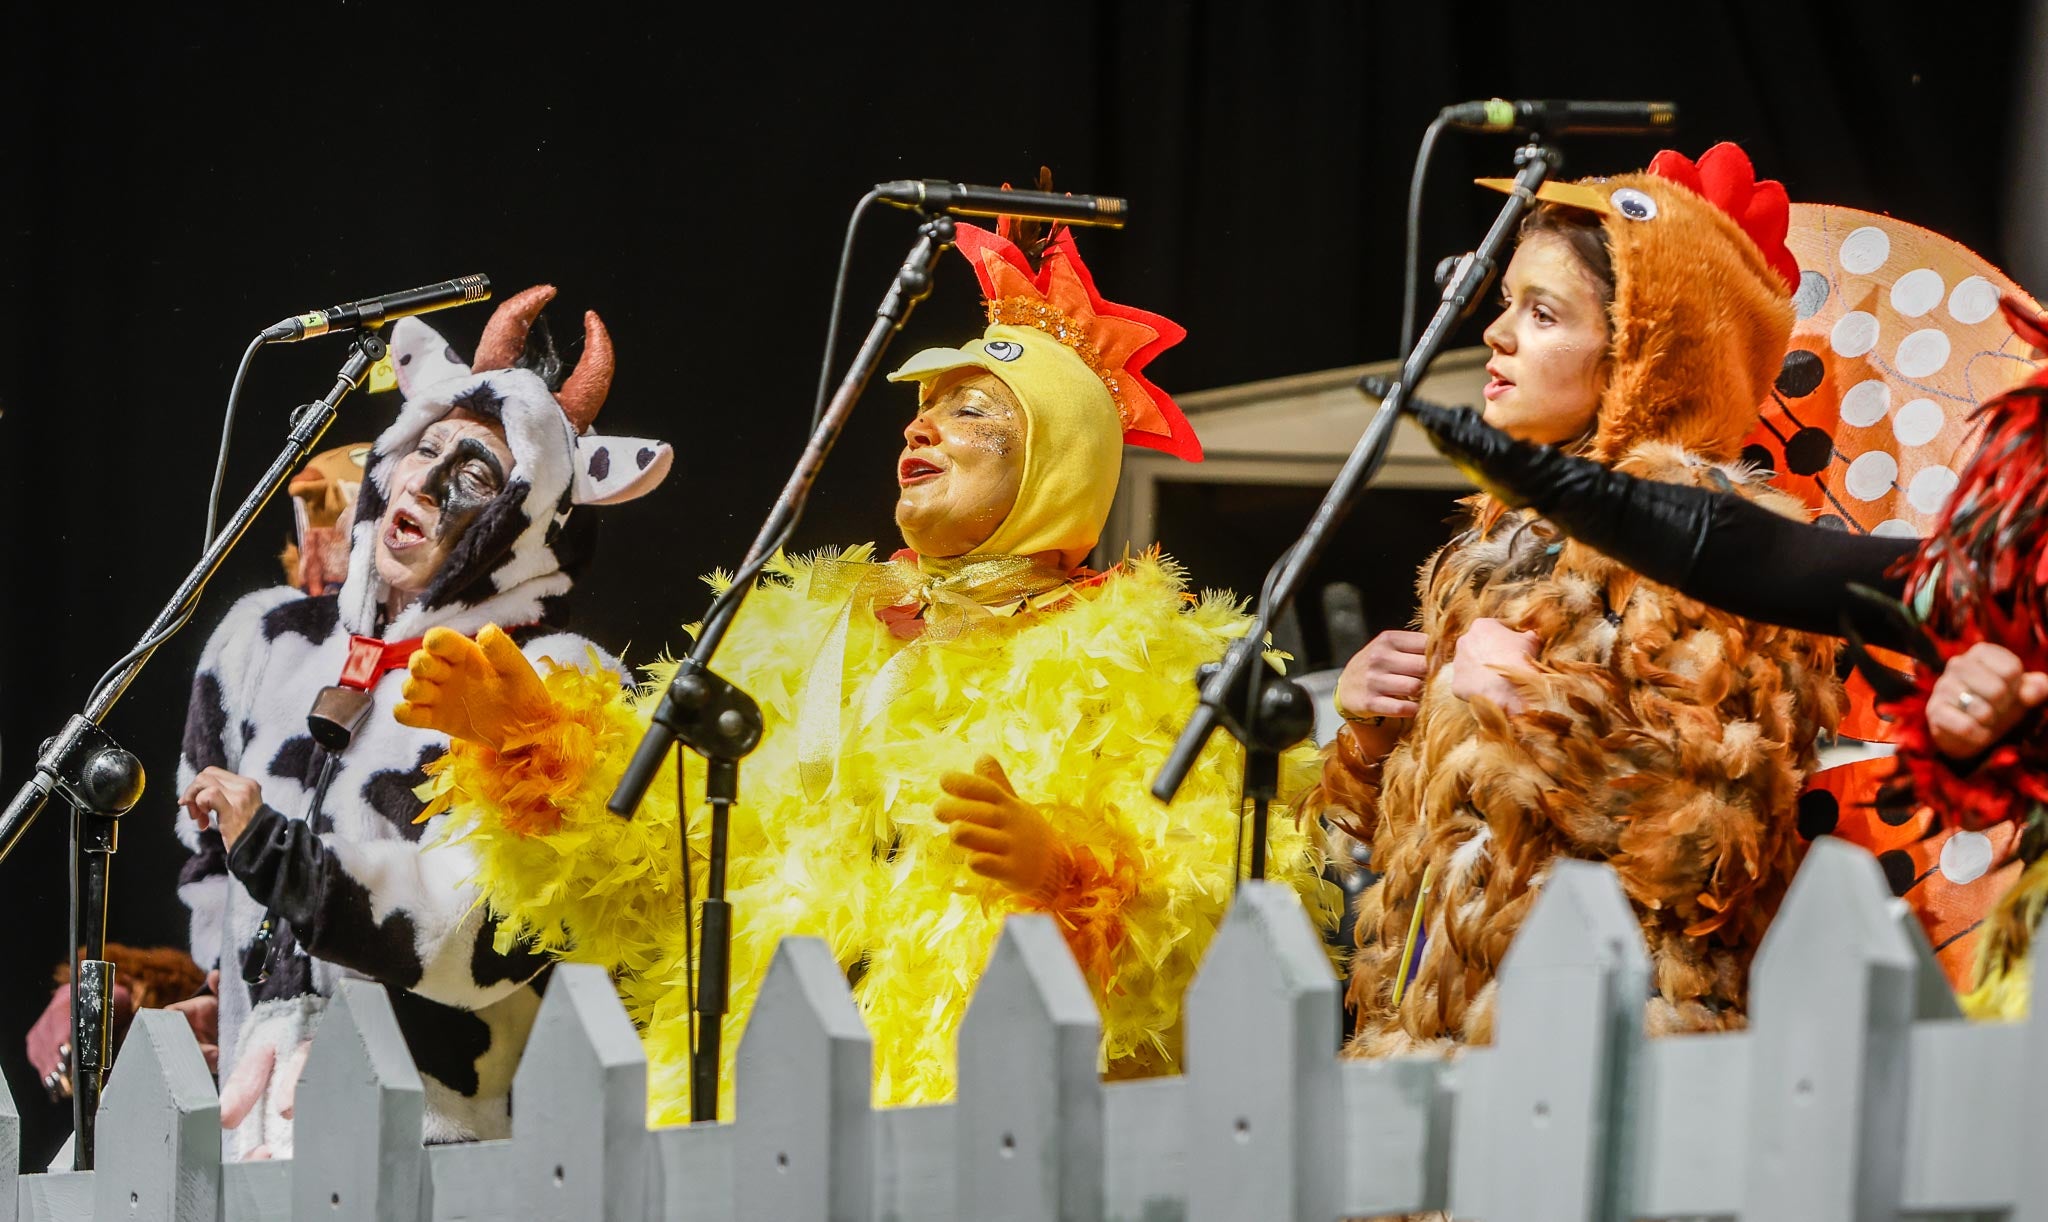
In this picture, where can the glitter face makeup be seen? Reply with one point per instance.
(962, 464)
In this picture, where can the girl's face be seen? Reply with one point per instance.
(1549, 345)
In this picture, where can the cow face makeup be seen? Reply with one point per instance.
(456, 469)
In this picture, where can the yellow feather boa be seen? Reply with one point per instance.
(2004, 967)
(1080, 704)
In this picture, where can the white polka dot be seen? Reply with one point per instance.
(1974, 300)
(1812, 295)
(1918, 422)
(1866, 403)
(1917, 292)
(1896, 528)
(1865, 250)
(1923, 353)
(1931, 489)
(1855, 333)
(1965, 857)
(1871, 475)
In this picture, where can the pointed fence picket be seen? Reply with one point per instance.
(1857, 1092)
(360, 1092)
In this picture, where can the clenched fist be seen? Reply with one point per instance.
(1982, 693)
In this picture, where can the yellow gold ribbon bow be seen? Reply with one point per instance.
(954, 600)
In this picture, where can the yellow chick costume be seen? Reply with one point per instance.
(1076, 683)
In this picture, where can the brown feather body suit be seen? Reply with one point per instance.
(1659, 736)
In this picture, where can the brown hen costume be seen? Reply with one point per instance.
(1664, 738)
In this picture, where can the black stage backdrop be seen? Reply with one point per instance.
(179, 176)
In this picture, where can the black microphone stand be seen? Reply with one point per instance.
(717, 720)
(1259, 707)
(101, 781)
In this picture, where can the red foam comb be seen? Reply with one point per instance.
(1726, 178)
(1115, 341)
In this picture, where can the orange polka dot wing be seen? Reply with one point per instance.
(1899, 339)
(1950, 877)
(1872, 418)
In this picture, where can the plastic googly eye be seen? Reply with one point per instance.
(1003, 349)
(1634, 204)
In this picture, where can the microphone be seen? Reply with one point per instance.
(1563, 118)
(375, 311)
(961, 199)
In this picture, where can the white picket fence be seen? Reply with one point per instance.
(1857, 1093)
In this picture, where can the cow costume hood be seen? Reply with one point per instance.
(506, 564)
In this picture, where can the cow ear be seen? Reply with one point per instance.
(610, 470)
(421, 357)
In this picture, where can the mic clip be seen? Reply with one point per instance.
(711, 714)
(1449, 267)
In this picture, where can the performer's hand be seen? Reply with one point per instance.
(1487, 653)
(1981, 694)
(203, 1014)
(482, 690)
(1006, 838)
(261, 1074)
(1385, 678)
(49, 1045)
(219, 798)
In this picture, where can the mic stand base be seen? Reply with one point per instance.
(718, 721)
(100, 781)
(1268, 720)
(713, 975)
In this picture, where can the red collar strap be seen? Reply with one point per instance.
(370, 659)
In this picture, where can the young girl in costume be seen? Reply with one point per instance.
(1970, 734)
(1557, 704)
(964, 730)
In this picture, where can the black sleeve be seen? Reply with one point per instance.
(293, 872)
(1715, 546)
(1764, 566)
(286, 868)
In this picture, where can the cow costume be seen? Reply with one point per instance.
(332, 876)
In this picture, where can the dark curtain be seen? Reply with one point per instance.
(177, 177)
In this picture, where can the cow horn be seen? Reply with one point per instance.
(587, 385)
(505, 335)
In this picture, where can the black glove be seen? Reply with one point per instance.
(1515, 473)
(1655, 528)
